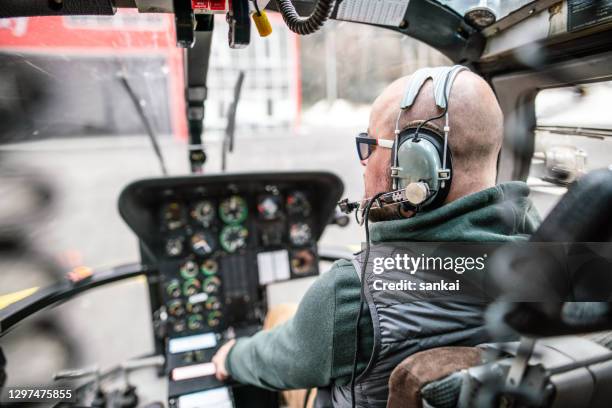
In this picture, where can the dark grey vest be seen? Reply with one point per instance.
(401, 328)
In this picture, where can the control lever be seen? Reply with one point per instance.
(99, 400)
(129, 398)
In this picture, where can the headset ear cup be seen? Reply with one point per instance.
(440, 189)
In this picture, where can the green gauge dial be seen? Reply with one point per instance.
(194, 322)
(213, 303)
(233, 210)
(233, 237)
(176, 308)
(209, 267)
(189, 269)
(191, 287)
(214, 318)
(211, 284)
(173, 288)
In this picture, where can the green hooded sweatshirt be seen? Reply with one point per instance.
(316, 347)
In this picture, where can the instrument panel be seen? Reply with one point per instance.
(218, 250)
(216, 242)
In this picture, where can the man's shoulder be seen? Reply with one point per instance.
(341, 273)
(343, 269)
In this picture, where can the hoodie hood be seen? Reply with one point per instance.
(503, 213)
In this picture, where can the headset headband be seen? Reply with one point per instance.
(443, 78)
(442, 85)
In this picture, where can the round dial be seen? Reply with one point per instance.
(213, 303)
(272, 234)
(233, 237)
(203, 243)
(189, 269)
(179, 326)
(300, 234)
(195, 307)
(211, 284)
(214, 318)
(191, 287)
(269, 207)
(174, 246)
(173, 288)
(209, 267)
(233, 210)
(298, 204)
(204, 212)
(302, 262)
(480, 17)
(176, 308)
(194, 322)
(172, 215)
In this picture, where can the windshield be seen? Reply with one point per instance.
(70, 123)
(73, 122)
(501, 8)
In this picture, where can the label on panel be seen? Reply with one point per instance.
(382, 12)
(190, 343)
(583, 14)
(273, 266)
(215, 398)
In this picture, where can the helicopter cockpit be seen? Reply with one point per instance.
(245, 108)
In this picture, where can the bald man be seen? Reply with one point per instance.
(315, 347)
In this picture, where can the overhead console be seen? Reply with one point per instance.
(216, 242)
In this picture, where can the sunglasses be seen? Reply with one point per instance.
(365, 145)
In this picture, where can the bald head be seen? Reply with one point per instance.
(476, 124)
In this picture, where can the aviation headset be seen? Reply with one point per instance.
(421, 166)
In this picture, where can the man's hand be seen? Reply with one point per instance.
(220, 358)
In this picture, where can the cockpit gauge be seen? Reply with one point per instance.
(203, 212)
(176, 308)
(302, 262)
(300, 234)
(172, 214)
(194, 322)
(179, 326)
(189, 269)
(173, 288)
(211, 284)
(203, 243)
(233, 210)
(191, 287)
(272, 235)
(213, 303)
(174, 246)
(269, 207)
(209, 267)
(233, 237)
(214, 318)
(298, 204)
(195, 307)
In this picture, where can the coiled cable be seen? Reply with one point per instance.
(305, 25)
